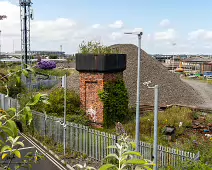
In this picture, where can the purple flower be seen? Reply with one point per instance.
(46, 65)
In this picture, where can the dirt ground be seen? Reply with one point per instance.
(204, 90)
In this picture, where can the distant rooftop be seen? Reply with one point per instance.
(198, 59)
(44, 52)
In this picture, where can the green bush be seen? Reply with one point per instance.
(79, 119)
(53, 57)
(56, 98)
(56, 107)
(115, 100)
(14, 88)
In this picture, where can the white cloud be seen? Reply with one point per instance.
(116, 35)
(117, 24)
(165, 23)
(50, 34)
(138, 30)
(200, 34)
(96, 26)
(168, 35)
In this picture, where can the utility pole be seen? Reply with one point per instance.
(173, 44)
(137, 135)
(64, 85)
(13, 46)
(156, 105)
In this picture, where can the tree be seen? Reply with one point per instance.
(10, 144)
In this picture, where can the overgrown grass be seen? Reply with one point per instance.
(186, 138)
(55, 72)
(171, 117)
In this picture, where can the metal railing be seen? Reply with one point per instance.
(92, 142)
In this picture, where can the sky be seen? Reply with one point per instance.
(168, 26)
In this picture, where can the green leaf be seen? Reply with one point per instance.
(36, 99)
(112, 156)
(133, 144)
(25, 72)
(19, 143)
(2, 118)
(106, 166)
(12, 109)
(18, 80)
(4, 155)
(12, 125)
(7, 130)
(112, 147)
(11, 139)
(137, 162)
(16, 139)
(132, 153)
(17, 153)
(28, 114)
(5, 148)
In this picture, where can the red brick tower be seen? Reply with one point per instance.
(94, 72)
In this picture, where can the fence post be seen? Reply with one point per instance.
(45, 118)
(2, 101)
(155, 150)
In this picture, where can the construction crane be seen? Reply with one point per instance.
(26, 15)
(2, 17)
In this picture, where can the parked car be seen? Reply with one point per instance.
(207, 74)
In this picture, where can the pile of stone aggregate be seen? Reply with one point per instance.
(172, 89)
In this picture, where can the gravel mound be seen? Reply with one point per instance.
(172, 89)
(66, 64)
(73, 82)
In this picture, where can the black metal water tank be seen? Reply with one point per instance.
(100, 63)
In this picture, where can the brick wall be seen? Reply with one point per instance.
(90, 85)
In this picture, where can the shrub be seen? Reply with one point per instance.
(56, 98)
(53, 57)
(14, 87)
(96, 48)
(56, 107)
(46, 65)
(115, 100)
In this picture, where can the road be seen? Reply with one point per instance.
(204, 90)
(49, 163)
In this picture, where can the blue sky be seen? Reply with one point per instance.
(136, 13)
(163, 22)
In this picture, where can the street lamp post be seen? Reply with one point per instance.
(173, 44)
(137, 136)
(156, 104)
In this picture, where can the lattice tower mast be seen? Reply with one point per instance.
(26, 15)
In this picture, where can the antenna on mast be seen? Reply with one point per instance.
(26, 15)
